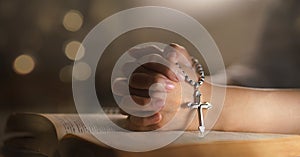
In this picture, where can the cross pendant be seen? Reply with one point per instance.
(199, 106)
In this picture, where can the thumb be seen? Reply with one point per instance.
(177, 54)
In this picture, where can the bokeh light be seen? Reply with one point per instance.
(24, 64)
(73, 49)
(73, 20)
(82, 71)
(65, 74)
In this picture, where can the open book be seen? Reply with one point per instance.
(29, 134)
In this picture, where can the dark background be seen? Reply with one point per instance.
(35, 28)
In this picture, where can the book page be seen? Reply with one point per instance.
(193, 137)
(72, 124)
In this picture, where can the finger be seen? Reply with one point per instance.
(141, 100)
(120, 86)
(156, 103)
(134, 67)
(170, 71)
(130, 67)
(153, 92)
(153, 58)
(181, 49)
(177, 54)
(159, 64)
(140, 106)
(139, 92)
(146, 121)
(139, 52)
(134, 127)
(145, 81)
(156, 63)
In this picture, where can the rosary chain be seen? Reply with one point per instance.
(197, 94)
(198, 69)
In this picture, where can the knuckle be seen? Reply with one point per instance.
(157, 79)
(140, 100)
(145, 101)
(176, 46)
(143, 121)
(138, 121)
(169, 72)
(133, 78)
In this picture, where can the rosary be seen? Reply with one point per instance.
(197, 104)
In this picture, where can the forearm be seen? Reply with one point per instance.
(244, 109)
(255, 110)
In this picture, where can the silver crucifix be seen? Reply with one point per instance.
(199, 106)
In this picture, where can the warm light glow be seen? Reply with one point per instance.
(23, 64)
(73, 49)
(73, 20)
(65, 74)
(82, 71)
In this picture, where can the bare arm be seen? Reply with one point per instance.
(260, 110)
(244, 109)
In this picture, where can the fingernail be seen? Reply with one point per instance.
(174, 45)
(158, 104)
(169, 85)
(157, 117)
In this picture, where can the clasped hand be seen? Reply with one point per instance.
(154, 94)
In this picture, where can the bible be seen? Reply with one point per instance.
(64, 135)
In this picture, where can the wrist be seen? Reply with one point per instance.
(205, 97)
(188, 94)
(205, 90)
